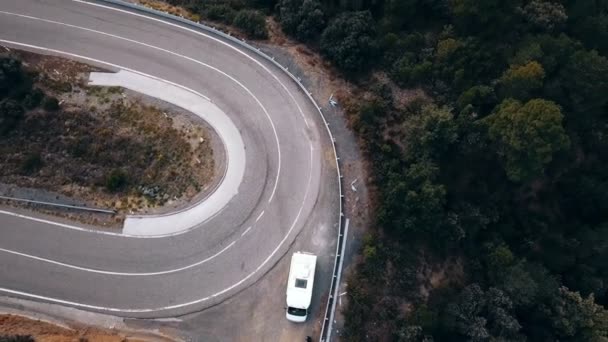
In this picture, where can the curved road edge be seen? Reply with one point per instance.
(341, 241)
(175, 222)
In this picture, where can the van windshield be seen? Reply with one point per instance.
(296, 311)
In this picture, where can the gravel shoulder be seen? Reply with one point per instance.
(52, 323)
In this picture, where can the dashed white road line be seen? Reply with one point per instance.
(225, 290)
(246, 231)
(249, 92)
(300, 111)
(126, 274)
(59, 52)
(259, 216)
(175, 306)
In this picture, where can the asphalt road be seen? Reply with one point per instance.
(288, 186)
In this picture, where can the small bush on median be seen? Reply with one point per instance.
(116, 180)
(32, 163)
(10, 114)
(33, 99)
(50, 103)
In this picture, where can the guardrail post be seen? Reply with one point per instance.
(325, 335)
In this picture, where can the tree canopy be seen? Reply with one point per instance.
(527, 136)
(348, 41)
(484, 124)
(303, 19)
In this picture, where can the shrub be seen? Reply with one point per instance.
(32, 163)
(303, 19)
(80, 147)
(50, 103)
(520, 81)
(527, 136)
(221, 12)
(10, 114)
(348, 41)
(33, 99)
(17, 338)
(116, 180)
(252, 23)
(10, 74)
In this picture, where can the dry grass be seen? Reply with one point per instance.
(99, 130)
(184, 13)
(47, 332)
(175, 10)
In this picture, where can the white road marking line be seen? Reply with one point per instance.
(93, 307)
(274, 130)
(50, 222)
(246, 231)
(259, 216)
(218, 41)
(175, 306)
(128, 274)
(117, 67)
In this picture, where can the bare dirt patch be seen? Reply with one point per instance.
(11, 325)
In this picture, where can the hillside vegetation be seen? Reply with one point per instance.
(491, 221)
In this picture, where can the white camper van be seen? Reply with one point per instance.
(299, 285)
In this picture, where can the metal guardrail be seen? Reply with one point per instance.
(329, 310)
(332, 300)
(68, 206)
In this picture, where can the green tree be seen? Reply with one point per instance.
(412, 333)
(252, 23)
(430, 132)
(545, 15)
(575, 318)
(446, 48)
(585, 79)
(482, 98)
(525, 283)
(497, 17)
(32, 163)
(520, 81)
(303, 19)
(588, 22)
(528, 50)
(556, 52)
(116, 180)
(10, 115)
(482, 316)
(407, 72)
(348, 41)
(498, 257)
(414, 14)
(527, 136)
(10, 74)
(50, 103)
(414, 202)
(33, 99)
(220, 12)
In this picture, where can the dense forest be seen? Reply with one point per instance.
(485, 122)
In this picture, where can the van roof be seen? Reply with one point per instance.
(301, 279)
